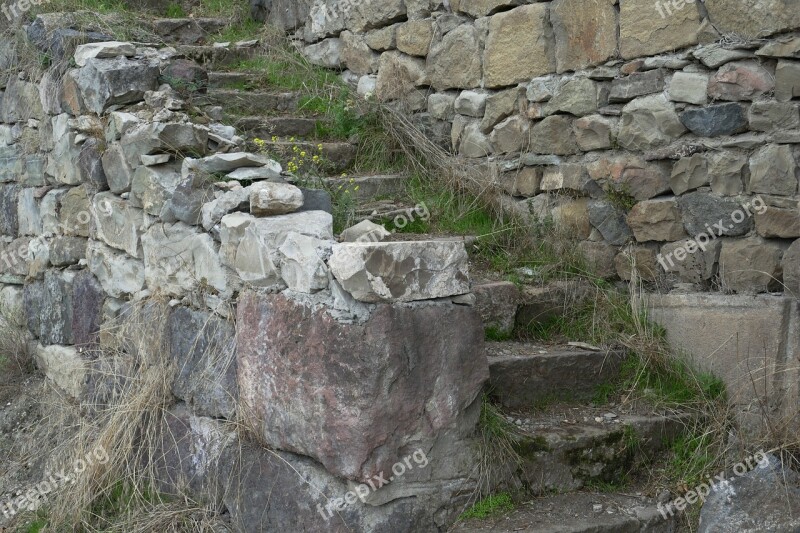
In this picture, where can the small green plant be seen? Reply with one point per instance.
(494, 333)
(493, 505)
(620, 197)
(175, 11)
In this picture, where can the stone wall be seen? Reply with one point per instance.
(344, 357)
(642, 123)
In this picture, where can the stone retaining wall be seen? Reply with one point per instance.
(344, 357)
(642, 123)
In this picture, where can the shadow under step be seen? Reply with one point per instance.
(523, 375)
(250, 102)
(230, 80)
(581, 512)
(190, 31)
(267, 127)
(216, 57)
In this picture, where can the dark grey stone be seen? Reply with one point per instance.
(65, 251)
(57, 38)
(87, 314)
(188, 200)
(9, 220)
(316, 200)
(702, 210)
(715, 120)
(637, 84)
(90, 164)
(610, 222)
(33, 297)
(185, 76)
(202, 346)
(767, 498)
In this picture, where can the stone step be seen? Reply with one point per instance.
(229, 80)
(250, 102)
(566, 448)
(523, 375)
(191, 31)
(581, 512)
(217, 57)
(368, 188)
(267, 127)
(336, 156)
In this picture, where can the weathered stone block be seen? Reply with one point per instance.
(417, 401)
(791, 269)
(401, 271)
(414, 37)
(455, 61)
(202, 346)
(689, 173)
(741, 80)
(775, 222)
(585, 33)
(119, 274)
(656, 220)
(689, 87)
(595, 132)
(65, 251)
(356, 55)
(65, 367)
(648, 123)
(753, 18)
(767, 115)
(787, 80)
(688, 261)
(637, 84)
(644, 30)
(639, 261)
(519, 46)
(715, 120)
(268, 199)
(751, 265)
(726, 171)
(179, 258)
(512, 135)
(704, 213)
(610, 222)
(106, 82)
(118, 224)
(578, 96)
(554, 135)
(773, 171)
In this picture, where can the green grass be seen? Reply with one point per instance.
(693, 457)
(496, 334)
(493, 505)
(620, 197)
(175, 11)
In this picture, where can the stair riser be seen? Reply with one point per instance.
(558, 463)
(534, 380)
(217, 58)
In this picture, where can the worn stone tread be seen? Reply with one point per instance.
(576, 513)
(523, 375)
(251, 102)
(371, 187)
(266, 127)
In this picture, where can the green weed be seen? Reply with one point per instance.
(493, 505)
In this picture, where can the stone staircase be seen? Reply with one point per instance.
(567, 444)
(578, 456)
(272, 115)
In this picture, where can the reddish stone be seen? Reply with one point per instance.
(740, 80)
(352, 396)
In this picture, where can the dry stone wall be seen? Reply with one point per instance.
(117, 207)
(667, 133)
